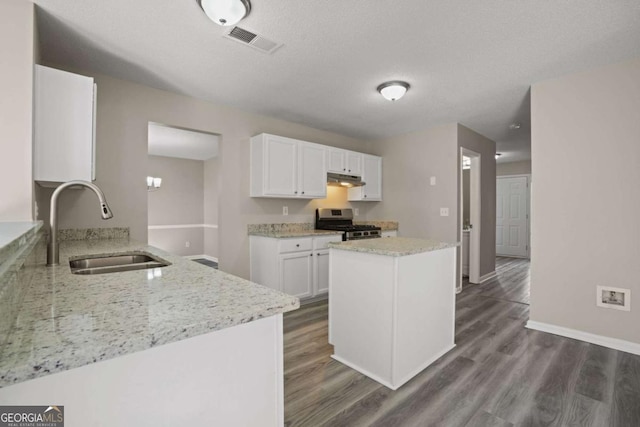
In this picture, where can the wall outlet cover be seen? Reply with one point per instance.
(616, 298)
(285, 210)
(444, 211)
(356, 211)
(432, 180)
(187, 244)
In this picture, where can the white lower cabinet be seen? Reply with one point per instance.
(295, 273)
(295, 266)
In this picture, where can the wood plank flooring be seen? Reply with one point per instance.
(499, 374)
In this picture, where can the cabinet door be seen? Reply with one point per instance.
(321, 271)
(354, 163)
(279, 166)
(372, 175)
(312, 171)
(295, 273)
(337, 160)
(63, 126)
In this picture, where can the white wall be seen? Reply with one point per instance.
(16, 89)
(178, 202)
(514, 168)
(585, 199)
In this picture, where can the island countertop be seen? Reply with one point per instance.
(66, 320)
(392, 246)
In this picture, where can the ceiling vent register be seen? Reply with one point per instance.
(253, 40)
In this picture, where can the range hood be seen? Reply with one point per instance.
(342, 180)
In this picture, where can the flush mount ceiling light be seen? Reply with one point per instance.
(393, 90)
(225, 12)
(498, 155)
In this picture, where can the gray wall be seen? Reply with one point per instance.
(585, 201)
(514, 168)
(16, 89)
(124, 111)
(466, 196)
(408, 163)
(471, 140)
(180, 201)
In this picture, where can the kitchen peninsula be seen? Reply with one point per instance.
(183, 344)
(391, 305)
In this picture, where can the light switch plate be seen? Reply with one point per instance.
(356, 211)
(444, 211)
(285, 210)
(432, 180)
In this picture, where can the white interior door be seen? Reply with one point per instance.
(512, 215)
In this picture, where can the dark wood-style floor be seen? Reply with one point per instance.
(499, 374)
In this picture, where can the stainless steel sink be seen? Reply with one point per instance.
(124, 261)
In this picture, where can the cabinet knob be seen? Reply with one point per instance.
(298, 245)
(310, 254)
(295, 192)
(303, 192)
(365, 196)
(344, 169)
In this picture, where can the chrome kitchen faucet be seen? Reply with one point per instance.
(53, 256)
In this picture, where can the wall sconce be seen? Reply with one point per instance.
(153, 183)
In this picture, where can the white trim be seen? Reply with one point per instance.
(488, 276)
(614, 343)
(207, 257)
(172, 226)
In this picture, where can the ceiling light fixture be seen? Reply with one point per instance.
(225, 12)
(393, 90)
(498, 155)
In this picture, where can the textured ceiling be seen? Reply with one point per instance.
(470, 62)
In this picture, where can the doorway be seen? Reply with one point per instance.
(512, 216)
(469, 226)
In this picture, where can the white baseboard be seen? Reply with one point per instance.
(488, 276)
(614, 343)
(207, 257)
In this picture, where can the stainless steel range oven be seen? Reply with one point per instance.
(342, 220)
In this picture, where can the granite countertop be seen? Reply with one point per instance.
(67, 320)
(287, 234)
(13, 235)
(392, 246)
(288, 229)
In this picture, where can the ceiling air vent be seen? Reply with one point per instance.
(253, 40)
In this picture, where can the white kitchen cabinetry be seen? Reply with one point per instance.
(64, 126)
(389, 233)
(296, 266)
(344, 161)
(372, 176)
(285, 167)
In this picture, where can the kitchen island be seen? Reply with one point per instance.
(183, 344)
(391, 305)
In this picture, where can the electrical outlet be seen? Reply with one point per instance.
(444, 211)
(285, 210)
(187, 244)
(356, 211)
(432, 180)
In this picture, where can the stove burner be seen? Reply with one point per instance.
(342, 220)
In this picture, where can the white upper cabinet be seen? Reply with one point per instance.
(372, 176)
(285, 167)
(354, 163)
(64, 126)
(312, 171)
(344, 161)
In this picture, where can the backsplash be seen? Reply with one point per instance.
(93, 233)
